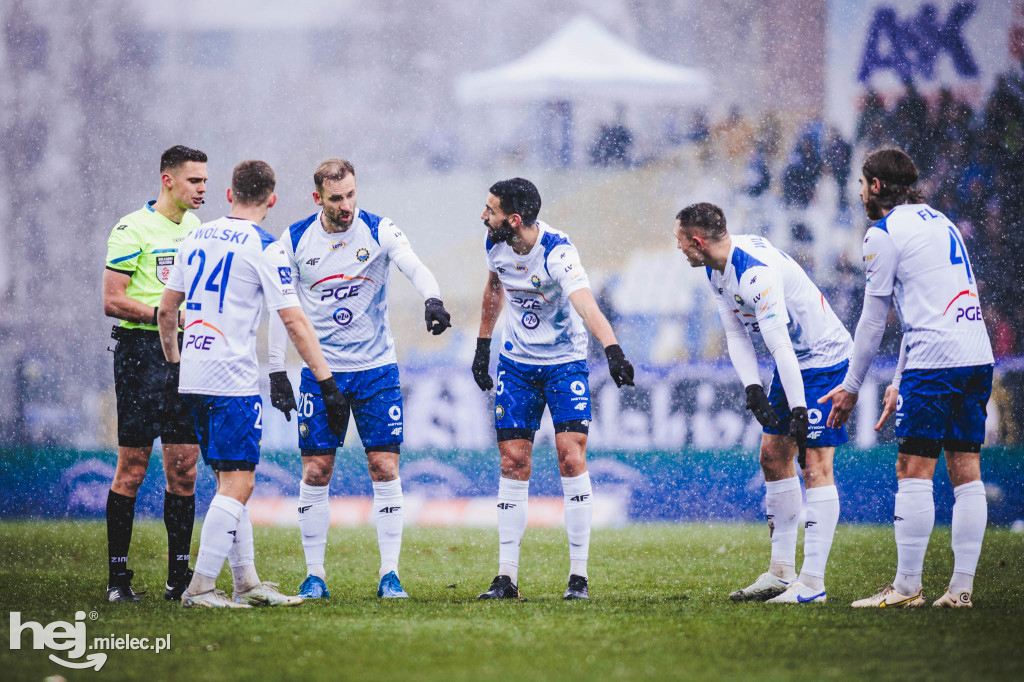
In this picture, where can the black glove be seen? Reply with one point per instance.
(173, 405)
(798, 430)
(757, 402)
(336, 404)
(618, 366)
(481, 363)
(437, 317)
(281, 394)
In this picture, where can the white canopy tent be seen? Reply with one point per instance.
(584, 60)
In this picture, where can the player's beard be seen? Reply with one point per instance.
(873, 209)
(503, 233)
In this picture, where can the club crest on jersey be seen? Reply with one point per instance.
(163, 268)
(499, 411)
(738, 299)
(337, 245)
(362, 255)
(303, 429)
(535, 281)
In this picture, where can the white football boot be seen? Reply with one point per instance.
(890, 598)
(766, 586)
(266, 594)
(798, 593)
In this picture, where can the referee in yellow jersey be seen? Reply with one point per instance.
(140, 252)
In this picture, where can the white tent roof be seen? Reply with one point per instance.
(585, 60)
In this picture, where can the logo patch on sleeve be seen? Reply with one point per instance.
(285, 274)
(163, 268)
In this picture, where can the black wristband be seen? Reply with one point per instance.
(483, 343)
(156, 311)
(614, 350)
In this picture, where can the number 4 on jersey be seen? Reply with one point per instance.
(217, 282)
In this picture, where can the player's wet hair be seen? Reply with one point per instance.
(518, 196)
(896, 173)
(178, 155)
(708, 218)
(332, 169)
(252, 182)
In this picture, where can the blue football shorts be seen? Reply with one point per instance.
(376, 399)
(523, 390)
(943, 407)
(229, 428)
(817, 383)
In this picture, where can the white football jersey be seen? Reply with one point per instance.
(765, 288)
(343, 280)
(227, 268)
(541, 326)
(916, 255)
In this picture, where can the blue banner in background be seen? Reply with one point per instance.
(654, 486)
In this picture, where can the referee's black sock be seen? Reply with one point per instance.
(179, 518)
(120, 516)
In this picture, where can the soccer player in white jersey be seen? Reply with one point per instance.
(759, 288)
(228, 268)
(915, 256)
(341, 259)
(537, 271)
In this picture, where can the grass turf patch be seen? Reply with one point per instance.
(659, 610)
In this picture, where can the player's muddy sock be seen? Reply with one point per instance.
(579, 510)
(219, 530)
(388, 516)
(314, 522)
(822, 515)
(782, 503)
(513, 498)
(120, 516)
(970, 516)
(242, 555)
(913, 519)
(179, 519)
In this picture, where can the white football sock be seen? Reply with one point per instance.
(579, 510)
(388, 515)
(513, 497)
(782, 503)
(242, 556)
(314, 522)
(970, 515)
(218, 534)
(822, 515)
(913, 519)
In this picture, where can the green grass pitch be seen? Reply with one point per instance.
(659, 610)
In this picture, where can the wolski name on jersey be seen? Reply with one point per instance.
(222, 233)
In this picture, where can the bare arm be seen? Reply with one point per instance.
(167, 321)
(303, 336)
(494, 300)
(117, 303)
(583, 302)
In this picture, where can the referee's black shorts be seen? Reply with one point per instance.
(139, 373)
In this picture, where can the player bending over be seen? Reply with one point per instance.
(537, 270)
(761, 289)
(916, 256)
(229, 267)
(340, 259)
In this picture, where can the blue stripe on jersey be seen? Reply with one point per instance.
(708, 269)
(881, 225)
(265, 236)
(165, 251)
(742, 261)
(298, 229)
(373, 222)
(549, 241)
(488, 244)
(124, 258)
(149, 205)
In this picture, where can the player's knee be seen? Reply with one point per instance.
(129, 477)
(515, 467)
(182, 480)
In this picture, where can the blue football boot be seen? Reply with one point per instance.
(313, 588)
(391, 588)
